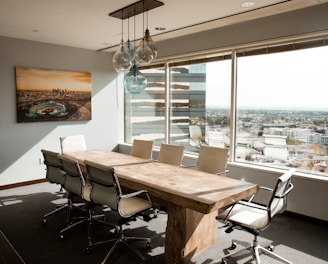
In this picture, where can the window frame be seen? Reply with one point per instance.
(270, 46)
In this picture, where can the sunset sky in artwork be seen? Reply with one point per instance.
(45, 79)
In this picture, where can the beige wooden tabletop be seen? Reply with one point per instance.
(104, 157)
(200, 191)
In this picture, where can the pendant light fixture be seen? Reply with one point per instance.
(144, 55)
(128, 45)
(122, 60)
(134, 81)
(149, 41)
(128, 56)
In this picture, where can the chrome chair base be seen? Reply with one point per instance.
(57, 210)
(255, 250)
(122, 239)
(89, 219)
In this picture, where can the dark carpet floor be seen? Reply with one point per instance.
(22, 210)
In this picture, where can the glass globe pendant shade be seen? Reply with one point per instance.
(129, 47)
(143, 54)
(134, 82)
(151, 43)
(122, 60)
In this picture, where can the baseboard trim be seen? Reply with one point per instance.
(19, 184)
(306, 218)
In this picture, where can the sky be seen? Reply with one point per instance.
(46, 79)
(297, 79)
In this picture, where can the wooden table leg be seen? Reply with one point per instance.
(188, 233)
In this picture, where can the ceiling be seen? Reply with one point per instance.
(86, 23)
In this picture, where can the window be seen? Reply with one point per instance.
(282, 111)
(199, 96)
(281, 115)
(145, 112)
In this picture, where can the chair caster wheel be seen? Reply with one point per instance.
(233, 246)
(88, 250)
(44, 221)
(61, 237)
(148, 245)
(116, 230)
(271, 248)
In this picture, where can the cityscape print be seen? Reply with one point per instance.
(52, 95)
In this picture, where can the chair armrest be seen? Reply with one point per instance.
(188, 166)
(253, 205)
(260, 188)
(290, 187)
(133, 194)
(222, 172)
(265, 188)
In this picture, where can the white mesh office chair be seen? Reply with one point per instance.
(106, 190)
(170, 154)
(253, 218)
(212, 160)
(76, 184)
(55, 175)
(72, 143)
(142, 148)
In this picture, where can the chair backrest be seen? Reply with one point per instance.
(54, 172)
(212, 159)
(142, 148)
(105, 187)
(278, 200)
(170, 154)
(74, 181)
(194, 132)
(72, 143)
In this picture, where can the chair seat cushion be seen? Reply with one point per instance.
(130, 206)
(247, 216)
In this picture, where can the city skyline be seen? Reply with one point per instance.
(34, 79)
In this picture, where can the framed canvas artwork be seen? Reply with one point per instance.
(52, 95)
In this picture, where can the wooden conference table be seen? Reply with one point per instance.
(192, 198)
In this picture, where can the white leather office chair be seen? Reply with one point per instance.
(253, 218)
(106, 190)
(212, 160)
(142, 148)
(55, 175)
(196, 138)
(77, 186)
(170, 154)
(72, 143)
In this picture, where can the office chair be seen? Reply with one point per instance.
(54, 175)
(106, 190)
(142, 149)
(72, 143)
(77, 186)
(253, 218)
(212, 160)
(170, 154)
(196, 137)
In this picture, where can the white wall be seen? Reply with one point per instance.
(20, 143)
